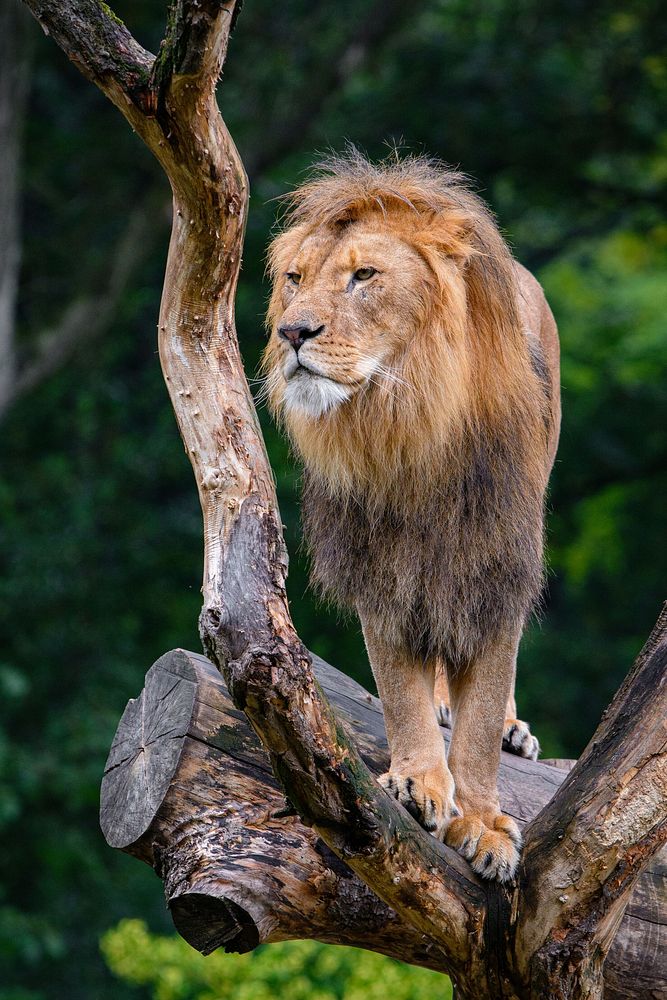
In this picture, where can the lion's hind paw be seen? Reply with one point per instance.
(518, 739)
(428, 797)
(443, 714)
(492, 853)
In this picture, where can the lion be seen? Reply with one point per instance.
(415, 366)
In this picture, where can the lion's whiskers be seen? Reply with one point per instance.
(391, 375)
(268, 384)
(386, 379)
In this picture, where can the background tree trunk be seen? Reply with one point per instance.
(14, 79)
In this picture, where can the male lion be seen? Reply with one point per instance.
(415, 365)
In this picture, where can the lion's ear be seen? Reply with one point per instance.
(451, 232)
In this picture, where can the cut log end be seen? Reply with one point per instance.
(146, 750)
(208, 923)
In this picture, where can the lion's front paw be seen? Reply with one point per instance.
(492, 852)
(428, 796)
(518, 739)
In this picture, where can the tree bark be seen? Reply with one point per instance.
(609, 817)
(189, 790)
(584, 850)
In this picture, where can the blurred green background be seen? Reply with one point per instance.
(556, 108)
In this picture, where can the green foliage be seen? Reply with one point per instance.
(557, 109)
(610, 297)
(300, 970)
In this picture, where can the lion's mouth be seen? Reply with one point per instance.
(305, 371)
(313, 394)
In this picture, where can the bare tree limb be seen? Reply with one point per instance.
(97, 42)
(585, 850)
(205, 811)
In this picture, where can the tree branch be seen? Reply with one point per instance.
(585, 850)
(206, 811)
(97, 42)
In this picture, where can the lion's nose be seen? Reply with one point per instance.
(297, 334)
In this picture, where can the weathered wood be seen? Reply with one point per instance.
(238, 872)
(583, 852)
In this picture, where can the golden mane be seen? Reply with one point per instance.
(468, 373)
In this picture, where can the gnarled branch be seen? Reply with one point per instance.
(584, 851)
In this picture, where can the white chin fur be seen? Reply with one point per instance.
(314, 394)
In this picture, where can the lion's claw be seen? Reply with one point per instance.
(492, 852)
(428, 797)
(443, 714)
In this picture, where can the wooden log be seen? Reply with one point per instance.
(189, 789)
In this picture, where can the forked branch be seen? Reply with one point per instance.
(239, 869)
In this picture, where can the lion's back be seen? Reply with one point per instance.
(541, 331)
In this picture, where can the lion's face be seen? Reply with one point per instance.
(394, 325)
(347, 301)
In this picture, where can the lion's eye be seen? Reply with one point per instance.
(294, 277)
(364, 273)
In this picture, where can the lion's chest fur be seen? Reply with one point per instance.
(444, 574)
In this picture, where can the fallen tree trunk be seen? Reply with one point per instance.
(189, 789)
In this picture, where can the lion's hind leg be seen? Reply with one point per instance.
(517, 737)
(441, 702)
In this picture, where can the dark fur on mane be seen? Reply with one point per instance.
(442, 577)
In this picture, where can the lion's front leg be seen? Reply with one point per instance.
(489, 840)
(418, 775)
